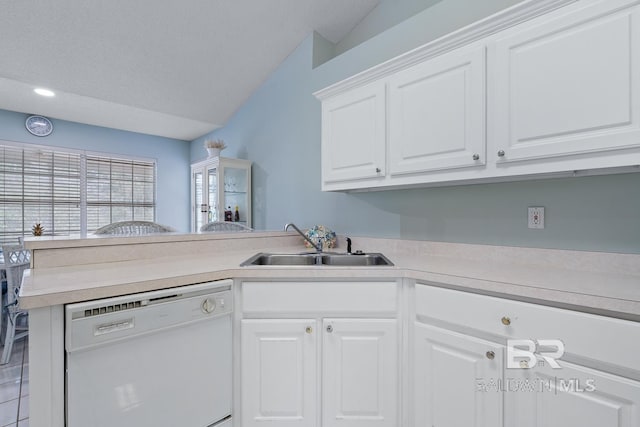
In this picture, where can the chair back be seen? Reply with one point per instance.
(129, 228)
(224, 226)
(16, 260)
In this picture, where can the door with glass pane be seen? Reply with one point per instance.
(235, 195)
(197, 204)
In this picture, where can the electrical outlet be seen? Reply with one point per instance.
(536, 217)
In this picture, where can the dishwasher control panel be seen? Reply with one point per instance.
(94, 323)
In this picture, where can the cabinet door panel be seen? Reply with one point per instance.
(568, 86)
(572, 396)
(354, 134)
(437, 113)
(278, 372)
(360, 372)
(455, 381)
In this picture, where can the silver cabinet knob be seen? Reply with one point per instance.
(378, 170)
(501, 153)
(476, 157)
(491, 355)
(329, 328)
(309, 329)
(506, 321)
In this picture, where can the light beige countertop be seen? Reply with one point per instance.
(72, 270)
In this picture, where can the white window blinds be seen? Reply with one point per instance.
(49, 187)
(119, 190)
(38, 186)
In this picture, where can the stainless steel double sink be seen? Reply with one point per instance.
(319, 259)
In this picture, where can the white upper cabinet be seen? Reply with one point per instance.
(540, 89)
(568, 85)
(437, 113)
(354, 135)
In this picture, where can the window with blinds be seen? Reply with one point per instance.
(119, 190)
(66, 191)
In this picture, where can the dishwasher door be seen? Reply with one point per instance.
(161, 358)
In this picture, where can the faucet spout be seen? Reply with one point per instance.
(317, 246)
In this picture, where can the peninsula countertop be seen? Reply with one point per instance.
(72, 270)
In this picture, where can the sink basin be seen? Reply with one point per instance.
(324, 259)
(280, 259)
(363, 260)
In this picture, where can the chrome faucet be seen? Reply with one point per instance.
(317, 246)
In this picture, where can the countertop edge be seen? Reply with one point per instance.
(593, 304)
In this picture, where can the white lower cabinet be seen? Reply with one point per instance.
(454, 379)
(319, 354)
(468, 371)
(279, 367)
(278, 364)
(572, 396)
(444, 358)
(359, 372)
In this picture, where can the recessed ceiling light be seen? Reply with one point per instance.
(43, 92)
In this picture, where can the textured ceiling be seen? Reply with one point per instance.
(172, 68)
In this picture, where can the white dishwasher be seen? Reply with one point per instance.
(160, 358)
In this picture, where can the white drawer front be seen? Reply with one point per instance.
(303, 297)
(609, 340)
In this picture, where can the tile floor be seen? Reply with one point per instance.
(14, 387)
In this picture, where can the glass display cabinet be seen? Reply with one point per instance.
(220, 191)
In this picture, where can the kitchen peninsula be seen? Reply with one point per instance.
(456, 285)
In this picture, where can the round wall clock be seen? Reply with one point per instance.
(39, 125)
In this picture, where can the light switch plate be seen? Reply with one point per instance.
(536, 217)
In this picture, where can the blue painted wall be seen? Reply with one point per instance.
(172, 157)
(279, 130)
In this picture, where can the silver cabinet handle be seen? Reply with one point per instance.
(491, 355)
(476, 157)
(329, 328)
(308, 330)
(378, 170)
(506, 321)
(501, 153)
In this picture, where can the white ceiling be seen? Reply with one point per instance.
(171, 68)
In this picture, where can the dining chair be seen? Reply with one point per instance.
(16, 260)
(3, 283)
(224, 226)
(130, 228)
